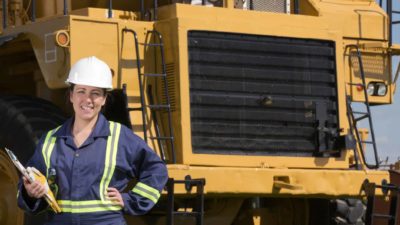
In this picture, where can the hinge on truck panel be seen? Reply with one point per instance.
(326, 136)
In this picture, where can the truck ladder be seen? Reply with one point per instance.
(357, 116)
(152, 106)
(371, 216)
(198, 208)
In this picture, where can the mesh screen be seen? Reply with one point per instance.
(263, 5)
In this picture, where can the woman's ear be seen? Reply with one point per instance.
(104, 100)
(70, 93)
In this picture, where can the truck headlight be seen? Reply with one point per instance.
(376, 89)
(371, 89)
(381, 89)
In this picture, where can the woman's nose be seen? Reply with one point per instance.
(88, 98)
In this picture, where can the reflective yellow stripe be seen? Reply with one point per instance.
(110, 158)
(87, 206)
(146, 191)
(48, 146)
(45, 147)
(109, 167)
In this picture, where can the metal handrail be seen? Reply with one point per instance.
(139, 66)
(109, 9)
(361, 67)
(33, 11)
(158, 35)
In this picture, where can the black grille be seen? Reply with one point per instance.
(266, 95)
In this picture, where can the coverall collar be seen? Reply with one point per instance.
(101, 129)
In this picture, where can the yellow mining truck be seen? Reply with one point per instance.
(249, 102)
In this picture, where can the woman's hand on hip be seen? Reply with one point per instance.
(114, 195)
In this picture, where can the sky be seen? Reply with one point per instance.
(386, 119)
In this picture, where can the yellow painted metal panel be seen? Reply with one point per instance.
(260, 181)
(237, 21)
(52, 59)
(91, 37)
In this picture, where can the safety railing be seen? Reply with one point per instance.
(33, 11)
(145, 14)
(390, 12)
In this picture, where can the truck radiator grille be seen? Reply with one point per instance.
(262, 95)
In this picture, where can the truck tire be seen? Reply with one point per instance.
(348, 212)
(23, 120)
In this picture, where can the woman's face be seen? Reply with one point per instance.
(87, 101)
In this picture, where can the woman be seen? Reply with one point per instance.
(93, 159)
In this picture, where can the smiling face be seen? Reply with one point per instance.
(87, 101)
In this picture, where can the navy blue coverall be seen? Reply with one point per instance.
(110, 157)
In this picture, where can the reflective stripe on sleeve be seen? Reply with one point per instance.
(146, 191)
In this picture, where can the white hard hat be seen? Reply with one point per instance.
(90, 71)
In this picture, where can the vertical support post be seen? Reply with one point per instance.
(389, 13)
(296, 6)
(4, 14)
(200, 202)
(33, 11)
(109, 8)
(155, 10)
(65, 7)
(142, 9)
(370, 210)
(393, 206)
(170, 207)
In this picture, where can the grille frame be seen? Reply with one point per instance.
(257, 44)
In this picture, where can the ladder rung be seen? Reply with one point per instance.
(395, 22)
(162, 138)
(383, 216)
(389, 187)
(358, 84)
(198, 182)
(159, 106)
(155, 75)
(360, 113)
(187, 213)
(395, 11)
(362, 117)
(151, 44)
(135, 109)
(367, 142)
